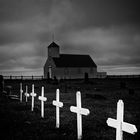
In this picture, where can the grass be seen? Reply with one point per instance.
(100, 96)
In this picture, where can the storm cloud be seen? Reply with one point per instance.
(109, 31)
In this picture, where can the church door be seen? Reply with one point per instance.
(50, 72)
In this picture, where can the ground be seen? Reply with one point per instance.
(100, 96)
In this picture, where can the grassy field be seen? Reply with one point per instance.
(100, 96)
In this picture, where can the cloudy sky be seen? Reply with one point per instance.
(108, 30)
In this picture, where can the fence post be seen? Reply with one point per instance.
(21, 77)
(1, 83)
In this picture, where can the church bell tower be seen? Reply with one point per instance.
(53, 50)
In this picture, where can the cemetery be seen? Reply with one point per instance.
(100, 109)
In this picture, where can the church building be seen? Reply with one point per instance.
(68, 66)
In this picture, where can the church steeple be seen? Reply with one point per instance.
(53, 37)
(53, 50)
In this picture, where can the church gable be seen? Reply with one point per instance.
(50, 62)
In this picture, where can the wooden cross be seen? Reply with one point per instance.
(26, 94)
(43, 99)
(119, 124)
(33, 94)
(80, 111)
(21, 91)
(58, 104)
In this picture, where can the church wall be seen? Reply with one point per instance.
(101, 74)
(73, 73)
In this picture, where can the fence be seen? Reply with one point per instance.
(123, 76)
(24, 77)
(42, 77)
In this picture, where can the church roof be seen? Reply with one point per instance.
(53, 44)
(74, 60)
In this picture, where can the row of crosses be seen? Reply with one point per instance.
(119, 124)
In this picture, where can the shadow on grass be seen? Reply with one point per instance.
(95, 96)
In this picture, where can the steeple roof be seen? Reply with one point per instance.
(53, 44)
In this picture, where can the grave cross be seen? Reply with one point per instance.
(33, 94)
(80, 111)
(26, 94)
(21, 91)
(43, 99)
(119, 124)
(58, 104)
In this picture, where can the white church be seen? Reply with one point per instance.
(69, 66)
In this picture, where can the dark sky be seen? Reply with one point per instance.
(108, 30)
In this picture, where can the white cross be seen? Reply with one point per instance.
(43, 99)
(21, 91)
(26, 94)
(80, 111)
(33, 94)
(119, 124)
(58, 104)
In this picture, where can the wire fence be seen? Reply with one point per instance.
(42, 77)
(24, 77)
(123, 76)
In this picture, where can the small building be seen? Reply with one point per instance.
(68, 66)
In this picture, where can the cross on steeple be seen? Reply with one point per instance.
(53, 37)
